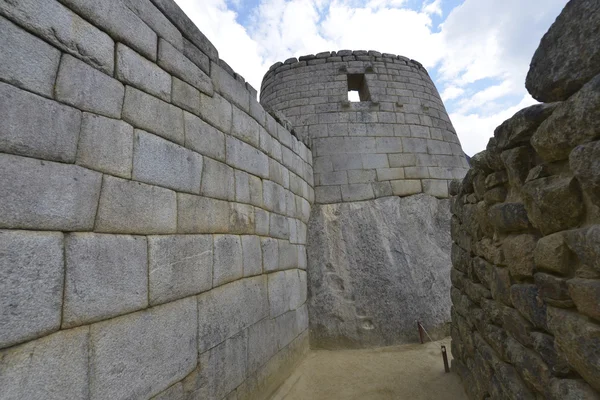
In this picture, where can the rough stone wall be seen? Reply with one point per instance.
(397, 141)
(152, 214)
(526, 232)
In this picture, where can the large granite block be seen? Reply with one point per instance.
(185, 96)
(31, 285)
(68, 203)
(229, 87)
(244, 127)
(138, 71)
(216, 111)
(106, 276)
(25, 116)
(252, 255)
(197, 214)
(245, 157)
(218, 180)
(228, 264)
(179, 65)
(156, 20)
(203, 138)
(262, 343)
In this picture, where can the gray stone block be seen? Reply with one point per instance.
(286, 325)
(302, 258)
(196, 56)
(241, 219)
(160, 162)
(138, 71)
(223, 368)
(218, 180)
(153, 349)
(242, 187)
(27, 62)
(179, 266)
(69, 201)
(227, 256)
(278, 226)
(185, 96)
(390, 174)
(197, 214)
(203, 138)
(120, 22)
(270, 254)
(53, 22)
(156, 20)
(245, 157)
(225, 311)
(31, 285)
(252, 255)
(25, 116)
(288, 255)
(229, 87)
(279, 297)
(406, 187)
(105, 145)
(256, 191)
(153, 115)
(437, 188)
(274, 197)
(133, 207)
(88, 89)
(261, 218)
(106, 276)
(402, 160)
(357, 192)
(244, 127)
(53, 368)
(262, 344)
(328, 194)
(179, 65)
(216, 111)
(279, 173)
(174, 392)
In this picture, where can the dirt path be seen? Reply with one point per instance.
(411, 372)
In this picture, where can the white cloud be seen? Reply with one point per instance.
(480, 53)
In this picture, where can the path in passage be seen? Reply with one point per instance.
(411, 372)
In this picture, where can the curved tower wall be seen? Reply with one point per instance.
(398, 140)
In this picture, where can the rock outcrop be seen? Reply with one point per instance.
(375, 268)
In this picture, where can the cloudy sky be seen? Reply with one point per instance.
(476, 51)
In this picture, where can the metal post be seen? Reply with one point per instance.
(445, 357)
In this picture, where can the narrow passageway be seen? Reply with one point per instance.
(411, 372)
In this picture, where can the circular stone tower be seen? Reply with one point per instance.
(379, 233)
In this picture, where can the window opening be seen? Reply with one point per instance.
(357, 88)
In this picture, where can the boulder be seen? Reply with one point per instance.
(584, 161)
(569, 53)
(375, 268)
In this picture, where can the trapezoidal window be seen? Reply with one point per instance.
(357, 88)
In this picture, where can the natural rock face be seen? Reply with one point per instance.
(375, 268)
(569, 53)
(531, 328)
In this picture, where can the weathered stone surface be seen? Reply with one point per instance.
(226, 310)
(553, 203)
(159, 162)
(544, 345)
(529, 365)
(520, 127)
(585, 243)
(241, 219)
(552, 254)
(142, 73)
(568, 55)
(262, 343)
(229, 87)
(525, 299)
(31, 285)
(179, 65)
(119, 21)
(179, 266)
(197, 214)
(406, 187)
(552, 288)
(252, 255)
(586, 295)
(105, 145)
(575, 389)
(133, 207)
(196, 56)
(228, 264)
(218, 180)
(153, 115)
(518, 254)
(279, 226)
(156, 20)
(175, 392)
(69, 201)
(25, 115)
(578, 341)
(185, 96)
(245, 127)
(500, 285)
(572, 123)
(216, 111)
(53, 368)
(150, 354)
(584, 161)
(203, 138)
(508, 217)
(88, 89)
(54, 23)
(27, 62)
(517, 326)
(223, 368)
(245, 157)
(348, 240)
(106, 276)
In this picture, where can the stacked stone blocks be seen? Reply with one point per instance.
(399, 142)
(152, 214)
(526, 232)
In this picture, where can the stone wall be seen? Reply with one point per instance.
(526, 232)
(398, 140)
(152, 214)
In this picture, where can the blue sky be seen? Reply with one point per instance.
(476, 51)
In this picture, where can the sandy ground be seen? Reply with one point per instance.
(411, 372)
